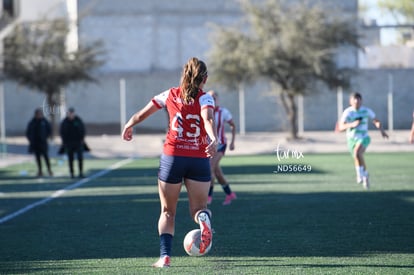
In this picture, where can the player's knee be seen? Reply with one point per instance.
(355, 154)
(168, 215)
(213, 176)
(359, 153)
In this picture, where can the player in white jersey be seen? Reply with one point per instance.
(222, 116)
(355, 121)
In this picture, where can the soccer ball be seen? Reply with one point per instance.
(192, 243)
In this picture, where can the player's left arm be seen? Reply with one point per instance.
(233, 133)
(207, 114)
(378, 125)
(411, 138)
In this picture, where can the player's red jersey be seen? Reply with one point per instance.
(186, 134)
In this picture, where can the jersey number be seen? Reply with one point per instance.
(177, 125)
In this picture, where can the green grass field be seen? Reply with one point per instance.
(317, 222)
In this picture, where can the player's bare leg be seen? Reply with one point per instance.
(168, 202)
(360, 165)
(197, 196)
(218, 172)
(169, 194)
(214, 163)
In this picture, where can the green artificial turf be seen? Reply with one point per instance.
(318, 221)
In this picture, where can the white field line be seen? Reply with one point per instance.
(60, 192)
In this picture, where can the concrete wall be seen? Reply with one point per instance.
(147, 43)
(100, 103)
(374, 85)
(31, 10)
(150, 35)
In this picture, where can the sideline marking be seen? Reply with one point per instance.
(60, 192)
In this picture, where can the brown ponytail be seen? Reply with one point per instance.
(193, 75)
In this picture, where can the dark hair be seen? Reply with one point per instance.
(193, 75)
(356, 95)
(38, 111)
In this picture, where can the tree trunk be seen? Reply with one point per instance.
(293, 117)
(52, 109)
(289, 104)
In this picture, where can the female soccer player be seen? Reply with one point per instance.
(355, 121)
(221, 116)
(191, 140)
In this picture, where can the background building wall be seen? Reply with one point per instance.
(149, 35)
(99, 104)
(147, 43)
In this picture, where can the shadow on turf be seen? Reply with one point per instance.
(278, 263)
(28, 183)
(255, 225)
(23, 149)
(258, 224)
(24, 183)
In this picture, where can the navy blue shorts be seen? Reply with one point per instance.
(222, 148)
(173, 169)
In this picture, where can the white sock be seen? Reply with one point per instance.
(361, 171)
(358, 170)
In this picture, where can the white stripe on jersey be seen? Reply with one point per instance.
(221, 116)
(350, 115)
(204, 100)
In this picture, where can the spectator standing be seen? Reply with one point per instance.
(72, 132)
(37, 132)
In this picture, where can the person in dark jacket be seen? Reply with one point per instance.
(72, 133)
(37, 132)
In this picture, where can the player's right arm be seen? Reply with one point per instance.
(344, 124)
(156, 103)
(138, 117)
